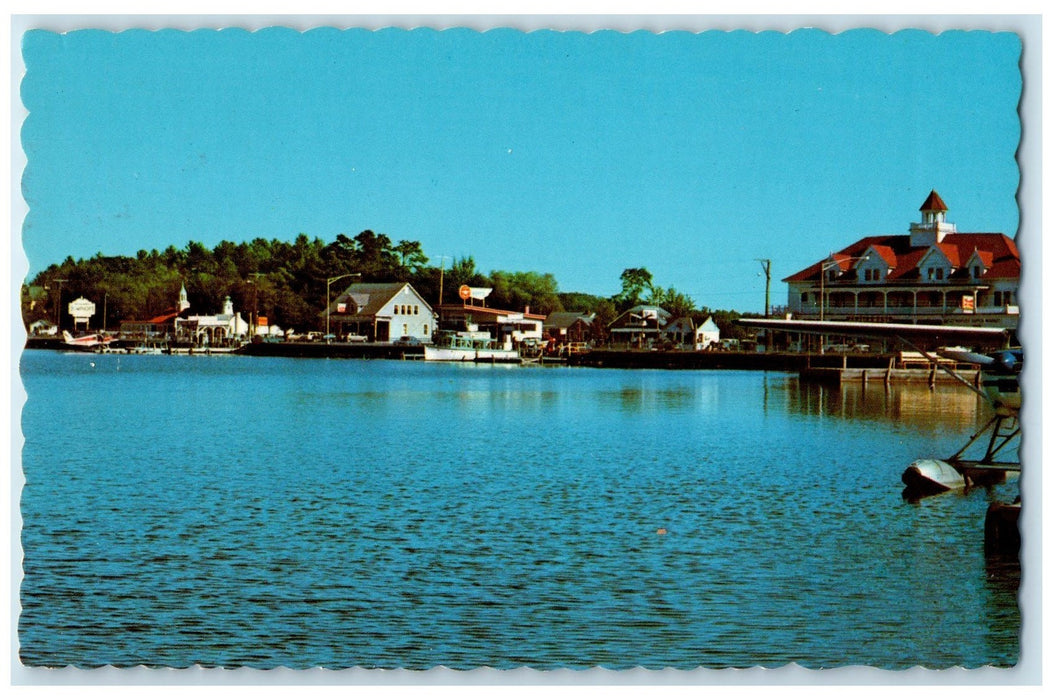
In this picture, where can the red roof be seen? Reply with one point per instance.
(166, 317)
(998, 252)
(486, 310)
(933, 203)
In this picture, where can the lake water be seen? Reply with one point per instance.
(236, 511)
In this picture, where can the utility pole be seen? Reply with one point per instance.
(58, 305)
(253, 317)
(766, 266)
(442, 272)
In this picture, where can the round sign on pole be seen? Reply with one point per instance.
(465, 292)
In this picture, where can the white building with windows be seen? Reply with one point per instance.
(225, 329)
(382, 312)
(934, 274)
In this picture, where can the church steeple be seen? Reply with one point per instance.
(184, 301)
(933, 226)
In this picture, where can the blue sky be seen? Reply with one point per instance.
(576, 154)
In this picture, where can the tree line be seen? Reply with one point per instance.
(287, 282)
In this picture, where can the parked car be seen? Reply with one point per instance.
(353, 338)
(409, 340)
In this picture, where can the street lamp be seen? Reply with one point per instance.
(328, 282)
(822, 290)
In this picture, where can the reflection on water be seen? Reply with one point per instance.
(945, 405)
(637, 399)
(266, 511)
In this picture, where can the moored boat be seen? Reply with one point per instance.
(468, 346)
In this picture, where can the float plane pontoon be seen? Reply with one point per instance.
(88, 341)
(1000, 366)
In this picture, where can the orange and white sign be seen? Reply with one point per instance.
(465, 292)
(968, 303)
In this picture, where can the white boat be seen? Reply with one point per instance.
(468, 346)
(146, 349)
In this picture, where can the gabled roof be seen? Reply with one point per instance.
(952, 252)
(681, 325)
(709, 326)
(985, 256)
(636, 316)
(903, 259)
(366, 299)
(566, 319)
(886, 253)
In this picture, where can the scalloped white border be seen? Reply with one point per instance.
(664, 16)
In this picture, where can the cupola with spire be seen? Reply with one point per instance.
(933, 226)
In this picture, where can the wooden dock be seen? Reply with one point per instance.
(893, 375)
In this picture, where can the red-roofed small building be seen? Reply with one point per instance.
(931, 275)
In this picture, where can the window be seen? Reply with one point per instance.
(425, 330)
(939, 273)
(416, 310)
(977, 272)
(804, 297)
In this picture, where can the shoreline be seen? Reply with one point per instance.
(826, 368)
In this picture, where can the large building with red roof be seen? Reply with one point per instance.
(931, 275)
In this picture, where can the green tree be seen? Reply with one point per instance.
(676, 303)
(411, 257)
(518, 290)
(634, 281)
(462, 271)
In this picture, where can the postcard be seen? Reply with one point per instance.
(532, 349)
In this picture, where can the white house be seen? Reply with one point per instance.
(382, 312)
(684, 332)
(43, 327)
(707, 335)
